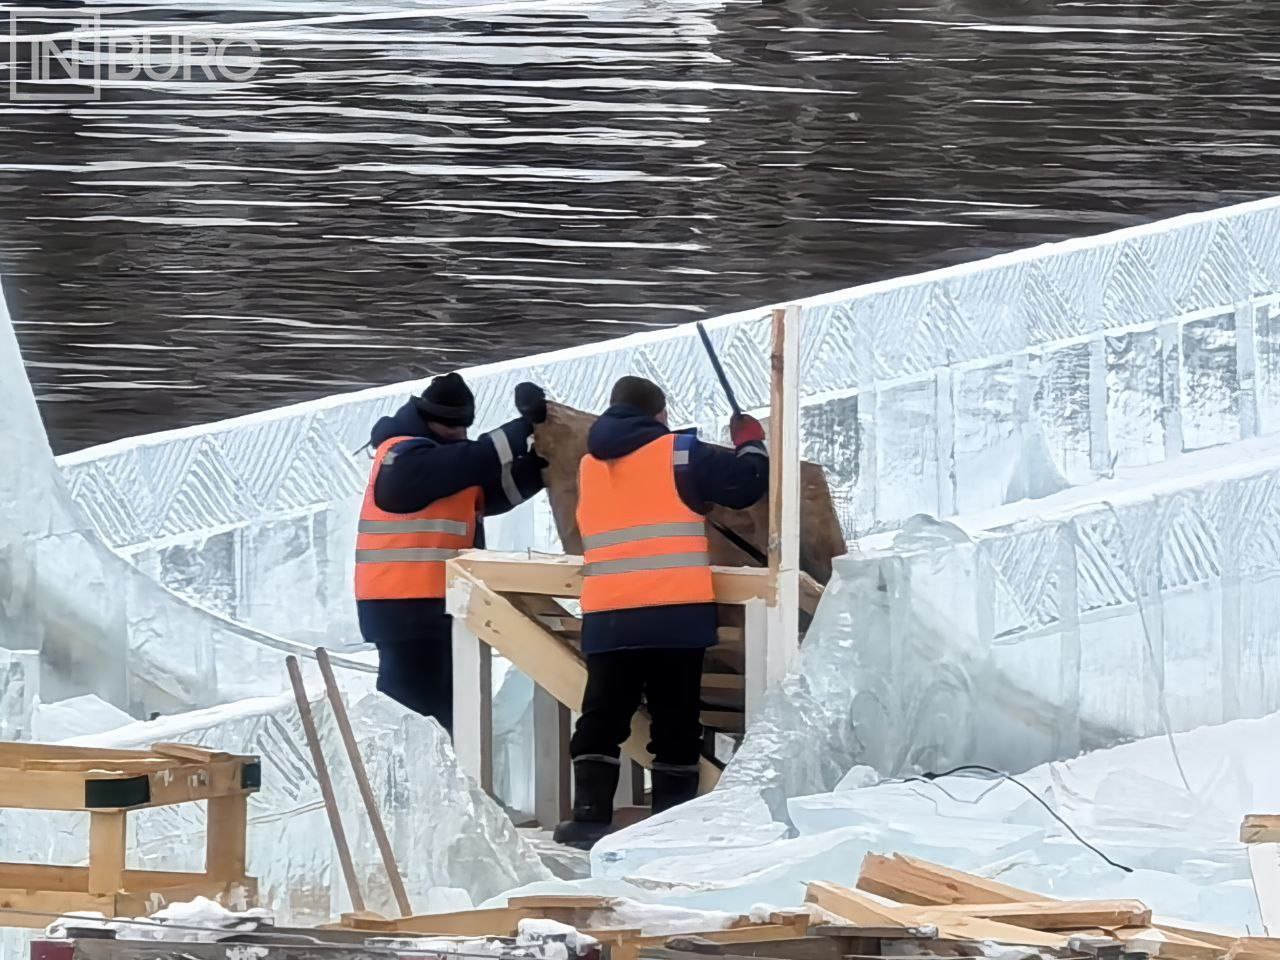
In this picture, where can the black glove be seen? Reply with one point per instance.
(527, 474)
(531, 402)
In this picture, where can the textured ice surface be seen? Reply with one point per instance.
(99, 624)
(954, 391)
(19, 690)
(1131, 801)
(446, 832)
(1038, 630)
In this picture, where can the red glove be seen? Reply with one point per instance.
(745, 429)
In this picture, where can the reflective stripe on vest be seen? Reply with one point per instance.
(401, 556)
(643, 545)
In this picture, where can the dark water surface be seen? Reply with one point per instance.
(406, 187)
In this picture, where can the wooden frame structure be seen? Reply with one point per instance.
(108, 785)
(524, 607)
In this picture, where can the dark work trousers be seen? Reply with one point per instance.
(670, 682)
(419, 674)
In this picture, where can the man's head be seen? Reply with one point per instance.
(447, 406)
(645, 395)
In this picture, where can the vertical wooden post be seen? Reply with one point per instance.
(226, 837)
(755, 644)
(551, 773)
(326, 785)
(472, 704)
(339, 707)
(108, 835)
(784, 493)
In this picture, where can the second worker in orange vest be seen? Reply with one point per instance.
(429, 489)
(648, 607)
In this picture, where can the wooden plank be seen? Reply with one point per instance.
(1057, 914)
(42, 790)
(494, 922)
(190, 782)
(10, 750)
(915, 881)
(784, 493)
(723, 681)
(56, 878)
(1254, 948)
(852, 906)
(187, 751)
(547, 901)
(473, 704)
(108, 832)
(226, 836)
(731, 721)
(860, 909)
(552, 772)
(558, 576)
(45, 904)
(910, 880)
(1260, 828)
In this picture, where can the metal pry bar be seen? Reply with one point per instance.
(720, 374)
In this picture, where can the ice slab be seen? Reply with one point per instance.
(101, 625)
(19, 692)
(1038, 630)
(75, 717)
(948, 392)
(1170, 809)
(446, 832)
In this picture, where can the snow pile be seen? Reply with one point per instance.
(199, 921)
(1131, 802)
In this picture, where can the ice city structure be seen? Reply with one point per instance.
(1058, 469)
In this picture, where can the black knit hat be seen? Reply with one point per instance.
(644, 395)
(447, 400)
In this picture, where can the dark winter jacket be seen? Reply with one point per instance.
(713, 476)
(428, 468)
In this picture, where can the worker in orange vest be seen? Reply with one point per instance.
(648, 607)
(428, 491)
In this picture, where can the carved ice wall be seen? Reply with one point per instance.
(943, 393)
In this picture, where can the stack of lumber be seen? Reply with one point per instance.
(899, 892)
(900, 905)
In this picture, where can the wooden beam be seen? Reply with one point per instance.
(226, 836)
(1056, 914)
(494, 922)
(859, 909)
(552, 780)
(108, 834)
(852, 906)
(915, 881)
(1260, 828)
(473, 704)
(562, 901)
(723, 681)
(561, 576)
(910, 880)
(784, 492)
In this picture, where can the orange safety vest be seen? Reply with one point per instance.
(642, 544)
(400, 556)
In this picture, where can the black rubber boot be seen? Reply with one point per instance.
(595, 780)
(673, 785)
